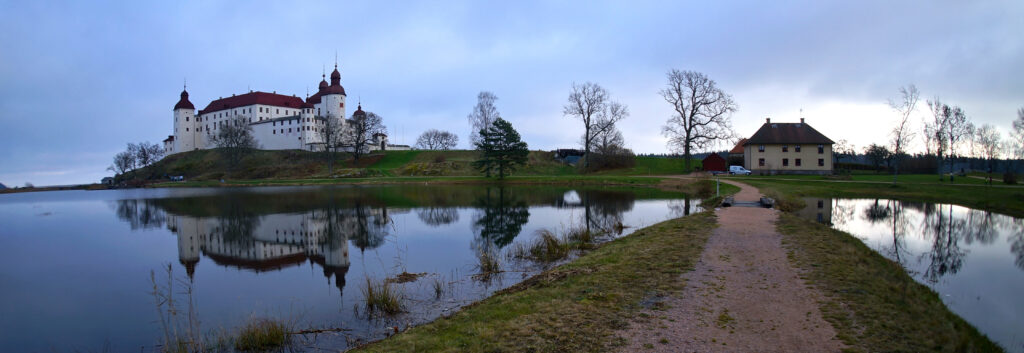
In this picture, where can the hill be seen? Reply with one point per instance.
(210, 165)
(2, 186)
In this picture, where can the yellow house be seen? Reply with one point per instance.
(788, 148)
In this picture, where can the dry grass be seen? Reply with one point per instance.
(487, 263)
(262, 335)
(382, 298)
(548, 247)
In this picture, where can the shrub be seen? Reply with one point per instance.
(1010, 178)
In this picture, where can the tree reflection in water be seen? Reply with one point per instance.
(140, 214)
(438, 216)
(500, 218)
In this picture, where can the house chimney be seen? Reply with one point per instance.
(768, 120)
(801, 120)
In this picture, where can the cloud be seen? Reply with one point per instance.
(79, 80)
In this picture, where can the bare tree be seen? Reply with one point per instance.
(988, 142)
(484, 114)
(935, 131)
(360, 131)
(958, 128)
(147, 153)
(123, 162)
(701, 112)
(843, 149)
(590, 103)
(434, 139)
(331, 133)
(235, 139)
(133, 149)
(1016, 142)
(901, 134)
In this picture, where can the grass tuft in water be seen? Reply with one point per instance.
(262, 335)
(487, 263)
(382, 297)
(548, 247)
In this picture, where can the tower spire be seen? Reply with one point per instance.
(323, 72)
(335, 59)
(184, 84)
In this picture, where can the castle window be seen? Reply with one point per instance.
(278, 111)
(186, 118)
(186, 129)
(261, 109)
(275, 132)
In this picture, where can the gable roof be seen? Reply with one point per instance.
(251, 98)
(788, 133)
(739, 147)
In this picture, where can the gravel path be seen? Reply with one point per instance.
(743, 296)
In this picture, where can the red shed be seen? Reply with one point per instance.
(714, 163)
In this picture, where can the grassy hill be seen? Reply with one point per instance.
(294, 164)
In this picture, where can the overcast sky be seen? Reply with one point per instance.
(80, 79)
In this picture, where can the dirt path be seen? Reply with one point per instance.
(743, 295)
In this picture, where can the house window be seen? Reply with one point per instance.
(261, 109)
(275, 132)
(278, 111)
(785, 148)
(796, 148)
(821, 162)
(821, 149)
(760, 162)
(289, 130)
(785, 162)
(186, 118)
(798, 162)
(821, 203)
(760, 148)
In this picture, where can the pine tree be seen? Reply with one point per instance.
(501, 149)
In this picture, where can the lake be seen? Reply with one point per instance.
(973, 259)
(79, 267)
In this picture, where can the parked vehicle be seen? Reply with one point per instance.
(736, 169)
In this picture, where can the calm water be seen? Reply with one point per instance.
(75, 265)
(973, 259)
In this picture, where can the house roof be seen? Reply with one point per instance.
(251, 98)
(184, 103)
(788, 133)
(713, 157)
(739, 147)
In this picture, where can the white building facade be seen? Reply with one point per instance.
(279, 122)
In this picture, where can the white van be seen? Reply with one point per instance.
(736, 169)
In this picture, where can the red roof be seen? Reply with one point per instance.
(183, 102)
(251, 98)
(739, 147)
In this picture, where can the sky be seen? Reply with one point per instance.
(79, 80)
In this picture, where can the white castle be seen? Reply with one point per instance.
(278, 122)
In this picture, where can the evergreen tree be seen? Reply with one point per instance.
(501, 149)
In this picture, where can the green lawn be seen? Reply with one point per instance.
(575, 307)
(871, 301)
(971, 193)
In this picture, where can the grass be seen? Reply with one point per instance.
(573, 307)
(548, 247)
(381, 297)
(262, 335)
(871, 301)
(1002, 199)
(487, 263)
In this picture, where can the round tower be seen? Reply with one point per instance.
(184, 124)
(333, 97)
